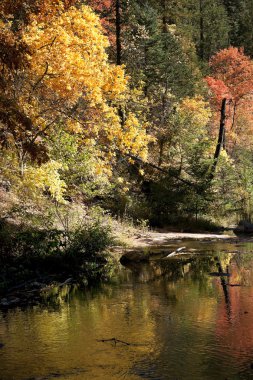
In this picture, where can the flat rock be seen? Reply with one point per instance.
(161, 238)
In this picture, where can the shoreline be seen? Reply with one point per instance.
(32, 291)
(151, 238)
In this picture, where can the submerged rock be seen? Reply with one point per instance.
(10, 302)
(244, 228)
(134, 256)
(4, 303)
(37, 285)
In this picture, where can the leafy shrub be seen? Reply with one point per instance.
(34, 253)
(90, 240)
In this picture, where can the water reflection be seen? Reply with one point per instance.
(181, 323)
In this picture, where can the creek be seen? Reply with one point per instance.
(186, 318)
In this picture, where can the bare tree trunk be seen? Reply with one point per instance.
(161, 149)
(221, 140)
(163, 121)
(21, 157)
(234, 115)
(201, 30)
(118, 33)
(121, 111)
(164, 19)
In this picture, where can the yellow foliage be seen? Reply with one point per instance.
(74, 126)
(44, 178)
(69, 57)
(69, 60)
(194, 111)
(70, 84)
(134, 139)
(73, 48)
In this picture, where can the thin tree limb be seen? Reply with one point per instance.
(41, 78)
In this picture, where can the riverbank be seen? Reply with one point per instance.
(37, 286)
(35, 262)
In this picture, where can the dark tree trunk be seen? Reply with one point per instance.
(234, 115)
(121, 112)
(145, 89)
(221, 139)
(161, 149)
(118, 32)
(164, 17)
(201, 30)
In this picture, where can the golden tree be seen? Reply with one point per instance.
(66, 81)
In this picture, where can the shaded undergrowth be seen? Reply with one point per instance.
(29, 254)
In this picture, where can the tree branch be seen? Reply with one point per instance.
(50, 44)
(42, 77)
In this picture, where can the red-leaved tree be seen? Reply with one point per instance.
(232, 78)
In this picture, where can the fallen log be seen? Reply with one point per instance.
(176, 252)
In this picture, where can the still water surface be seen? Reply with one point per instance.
(181, 322)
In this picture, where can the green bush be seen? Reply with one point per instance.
(31, 253)
(88, 242)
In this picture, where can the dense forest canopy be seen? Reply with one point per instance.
(143, 107)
